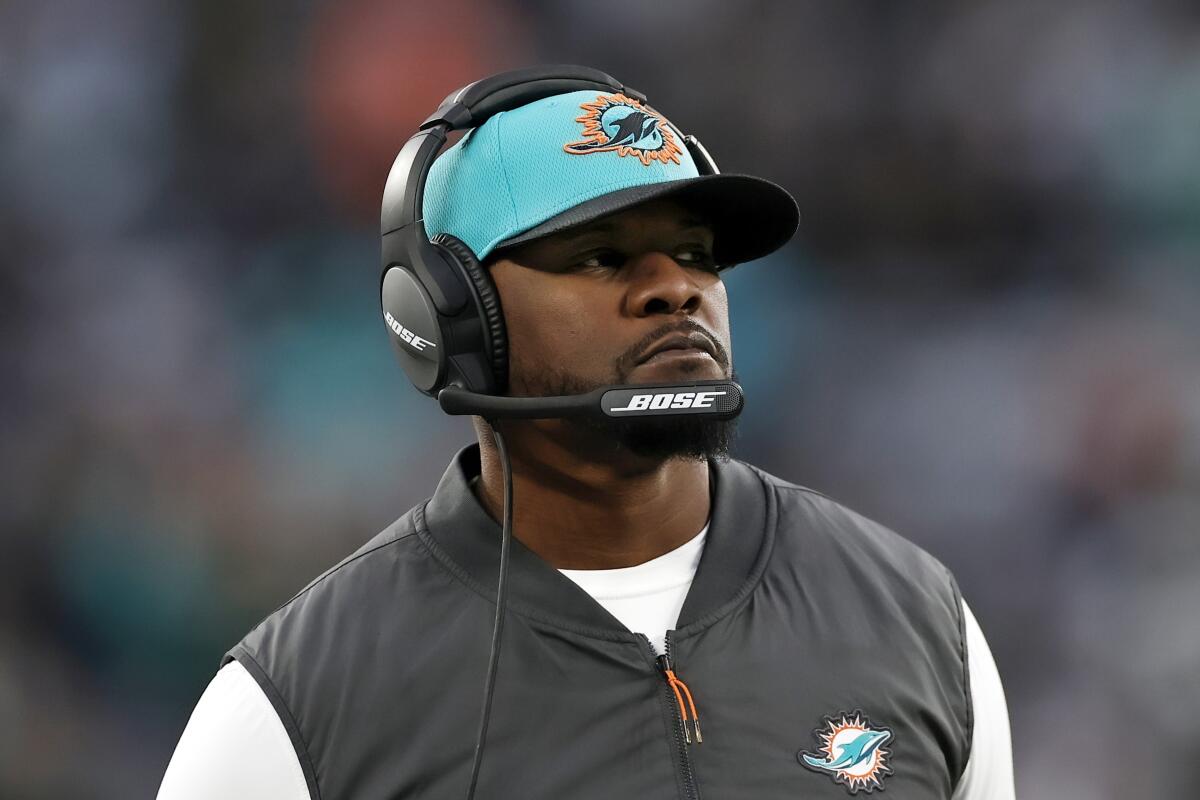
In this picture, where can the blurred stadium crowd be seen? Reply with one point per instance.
(985, 335)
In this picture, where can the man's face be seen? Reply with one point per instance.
(584, 308)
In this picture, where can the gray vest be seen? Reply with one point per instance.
(824, 654)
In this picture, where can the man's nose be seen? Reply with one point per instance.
(659, 285)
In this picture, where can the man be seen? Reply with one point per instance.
(654, 579)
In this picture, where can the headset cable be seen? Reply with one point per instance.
(501, 601)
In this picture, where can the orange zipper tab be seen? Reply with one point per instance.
(681, 691)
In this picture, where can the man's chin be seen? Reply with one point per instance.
(661, 438)
(687, 436)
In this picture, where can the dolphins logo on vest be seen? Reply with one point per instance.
(614, 122)
(851, 752)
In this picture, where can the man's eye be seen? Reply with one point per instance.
(601, 259)
(606, 259)
(696, 255)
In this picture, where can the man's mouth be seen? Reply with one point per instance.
(678, 354)
(679, 346)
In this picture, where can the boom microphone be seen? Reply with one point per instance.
(715, 399)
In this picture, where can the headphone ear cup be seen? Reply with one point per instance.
(494, 330)
(415, 329)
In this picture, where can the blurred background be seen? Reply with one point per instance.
(987, 329)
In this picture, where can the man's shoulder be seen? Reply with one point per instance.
(348, 582)
(812, 519)
(398, 535)
(841, 558)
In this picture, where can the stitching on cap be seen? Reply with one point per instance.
(512, 203)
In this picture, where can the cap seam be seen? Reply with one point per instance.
(512, 202)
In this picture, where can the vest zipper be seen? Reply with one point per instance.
(677, 696)
(681, 691)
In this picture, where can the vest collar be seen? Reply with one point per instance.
(463, 536)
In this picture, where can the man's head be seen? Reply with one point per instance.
(604, 229)
(588, 306)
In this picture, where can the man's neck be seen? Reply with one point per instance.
(580, 512)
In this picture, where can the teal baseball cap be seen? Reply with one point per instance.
(571, 158)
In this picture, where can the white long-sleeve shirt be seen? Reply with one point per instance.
(235, 745)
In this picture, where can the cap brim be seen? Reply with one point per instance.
(750, 217)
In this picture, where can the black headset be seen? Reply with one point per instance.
(439, 303)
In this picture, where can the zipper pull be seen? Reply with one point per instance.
(681, 690)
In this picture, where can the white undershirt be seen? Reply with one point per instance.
(646, 598)
(235, 745)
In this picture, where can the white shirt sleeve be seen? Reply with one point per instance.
(234, 745)
(989, 772)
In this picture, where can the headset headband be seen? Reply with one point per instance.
(470, 107)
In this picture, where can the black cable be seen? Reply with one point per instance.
(501, 600)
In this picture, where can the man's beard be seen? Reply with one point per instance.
(686, 436)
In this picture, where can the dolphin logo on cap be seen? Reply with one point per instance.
(622, 124)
